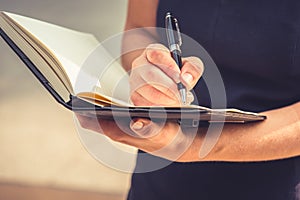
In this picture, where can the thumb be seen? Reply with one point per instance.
(191, 71)
(145, 128)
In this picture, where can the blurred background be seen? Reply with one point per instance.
(41, 155)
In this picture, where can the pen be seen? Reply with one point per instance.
(174, 43)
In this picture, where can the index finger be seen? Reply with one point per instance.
(159, 55)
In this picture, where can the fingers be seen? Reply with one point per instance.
(151, 96)
(118, 131)
(145, 128)
(161, 134)
(149, 85)
(160, 138)
(154, 76)
(139, 128)
(138, 99)
(191, 71)
(159, 55)
(137, 132)
(149, 74)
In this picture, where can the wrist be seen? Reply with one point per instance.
(192, 153)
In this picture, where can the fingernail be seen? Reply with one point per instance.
(187, 77)
(137, 125)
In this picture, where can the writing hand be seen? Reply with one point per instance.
(154, 76)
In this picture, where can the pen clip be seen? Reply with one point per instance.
(179, 40)
(173, 31)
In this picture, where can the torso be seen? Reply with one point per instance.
(256, 46)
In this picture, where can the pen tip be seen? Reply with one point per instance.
(183, 96)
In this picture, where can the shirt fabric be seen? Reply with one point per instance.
(256, 46)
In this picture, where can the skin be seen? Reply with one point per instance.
(153, 77)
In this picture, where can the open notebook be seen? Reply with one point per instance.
(57, 56)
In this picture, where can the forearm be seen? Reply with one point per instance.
(276, 138)
(141, 14)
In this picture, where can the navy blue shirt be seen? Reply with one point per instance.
(256, 46)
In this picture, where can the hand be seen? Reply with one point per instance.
(154, 76)
(153, 81)
(161, 139)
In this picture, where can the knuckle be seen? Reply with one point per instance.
(156, 52)
(154, 55)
